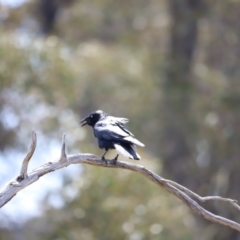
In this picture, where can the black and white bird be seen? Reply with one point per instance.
(112, 134)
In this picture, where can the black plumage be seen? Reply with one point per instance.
(112, 134)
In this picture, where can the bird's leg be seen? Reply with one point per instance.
(115, 159)
(103, 158)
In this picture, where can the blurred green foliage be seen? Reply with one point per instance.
(115, 56)
(98, 206)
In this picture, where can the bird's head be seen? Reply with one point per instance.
(93, 118)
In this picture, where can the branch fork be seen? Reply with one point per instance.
(184, 194)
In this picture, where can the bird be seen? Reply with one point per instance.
(112, 134)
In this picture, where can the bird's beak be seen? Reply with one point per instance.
(83, 122)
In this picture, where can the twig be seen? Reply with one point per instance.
(202, 199)
(24, 168)
(11, 189)
(63, 157)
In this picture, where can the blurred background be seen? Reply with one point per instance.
(171, 67)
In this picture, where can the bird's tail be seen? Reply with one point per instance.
(127, 150)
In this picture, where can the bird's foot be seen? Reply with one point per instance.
(114, 160)
(103, 159)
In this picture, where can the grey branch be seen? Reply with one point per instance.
(63, 156)
(202, 199)
(181, 192)
(24, 168)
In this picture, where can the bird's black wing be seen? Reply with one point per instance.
(114, 132)
(124, 129)
(109, 131)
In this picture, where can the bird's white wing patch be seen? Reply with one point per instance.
(116, 130)
(115, 120)
(134, 140)
(108, 131)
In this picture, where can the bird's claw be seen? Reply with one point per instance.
(103, 159)
(114, 161)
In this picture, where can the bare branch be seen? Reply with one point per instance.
(181, 192)
(202, 199)
(63, 157)
(24, 168)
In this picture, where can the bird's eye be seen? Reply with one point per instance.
(91, 116)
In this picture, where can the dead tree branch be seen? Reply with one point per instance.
(24, 168)
(181, 192)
